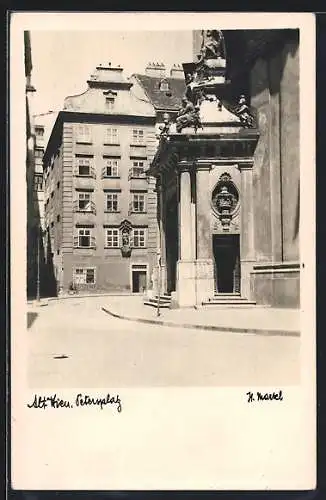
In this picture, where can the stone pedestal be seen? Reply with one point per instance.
(186, 283)
(204, 280)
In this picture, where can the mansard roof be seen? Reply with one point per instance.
(161, 99)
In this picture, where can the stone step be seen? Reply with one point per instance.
(164, 296)
(229, 302)
(154, 303)
(226, 297)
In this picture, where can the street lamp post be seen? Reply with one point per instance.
(158, 312)
(38, 266)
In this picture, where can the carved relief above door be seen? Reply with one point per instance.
(225, 205)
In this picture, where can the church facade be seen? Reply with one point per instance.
(227, 173)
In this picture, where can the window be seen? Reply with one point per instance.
(137, 169)
(52, 194)
(84, 237)
(38, 182)
(39, 153)
(111, 202)
(84, 133)
(58, 184)
(83, 276)
(39, 131)
(111, 136)
(84, 166)
(137, 136)
(164, 86)
(112, 238)
(139, 240)
(109, 101)
(138, 202)
(111, 168)
(58, 218)
(84, 201)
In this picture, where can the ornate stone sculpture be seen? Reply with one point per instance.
(188, 116)
(224, 203)
(165, 128)
(125, 228)
(244, 113)
(208, 90)
(212, 46)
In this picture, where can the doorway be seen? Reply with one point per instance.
(226, 251)
(139, 278)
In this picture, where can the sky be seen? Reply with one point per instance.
(64, 60)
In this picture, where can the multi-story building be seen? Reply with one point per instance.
(100, 208)
(34, 181)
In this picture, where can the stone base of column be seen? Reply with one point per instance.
(186, 289)
(204, 280)
(245, 287)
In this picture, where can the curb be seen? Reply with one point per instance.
(255, 331)
(76, 296)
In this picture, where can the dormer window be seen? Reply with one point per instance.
(110, 97)
(39, 131)
(164, 86)
(109, 101)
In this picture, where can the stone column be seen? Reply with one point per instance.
(186, 295)
(204, 262)
(159, 275)
(247, 239)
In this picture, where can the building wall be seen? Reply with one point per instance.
(112, 270)
(275, 96)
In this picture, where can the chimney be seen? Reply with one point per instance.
(156, 70)
(177, 72)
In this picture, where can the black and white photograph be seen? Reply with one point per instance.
(163, 227)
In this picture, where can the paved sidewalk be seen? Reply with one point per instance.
(255, 320)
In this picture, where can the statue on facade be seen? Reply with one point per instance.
(212, 57)
(244, 113)
(212, 46)
(188, 116)
(125, 228)
(165, 128)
